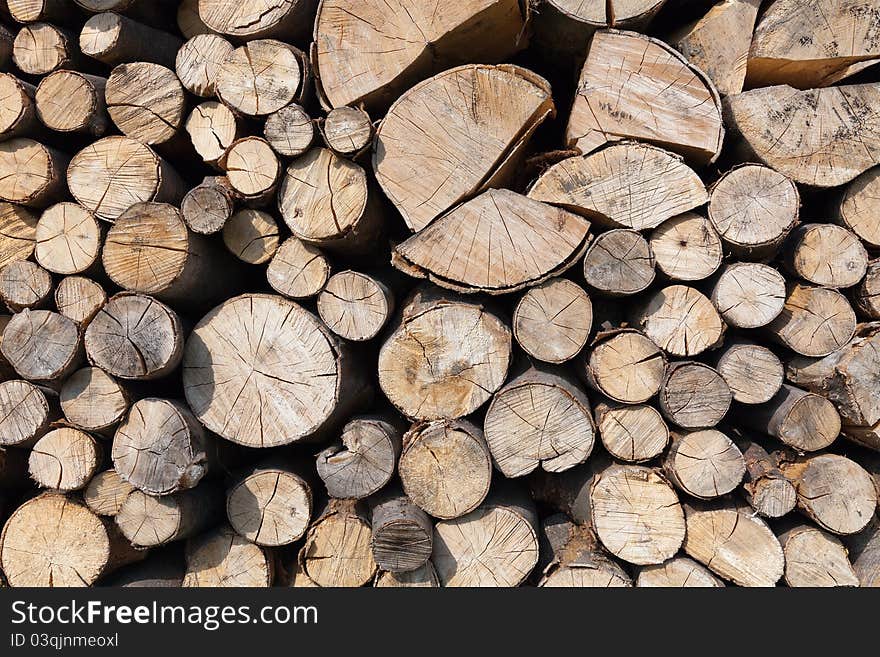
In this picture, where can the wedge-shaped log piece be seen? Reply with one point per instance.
(370, 51)
(820, 137)
(498, 242)
(625, 185)
(455, 134)
(633, 86)
(719, 43)
(813, 44)
(734, 544)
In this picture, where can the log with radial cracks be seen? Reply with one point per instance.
(456, 134)
(704, 464)
(625, 366)
(110, 175)
(261, 77)
(18, 228)
(150, 251)
(298, 270)
(372, 51)
(364, 461)
(290, 131)
(631, 432)
(149, 521)
(694, 395)
(31, 173)
(161, 448)
(270, 505)
(337, 550)
(800, 419)
(680, 320)
(17, 107)
(355, 306)
(24, 284)
(145, 101)
(495, 225)
(540, 419)
(636, 87)
(73, 102)
(446, 467)
(53, 540)
(811, 45)
(65, 459)
(686, 248)
(835, 492)
(326, 200)
(198, 63)
(627, 185)
(42, 48)
(79, 298)
(135, 337)
(494, 545)
(251, 236)
(68, 239)
(753, 372)
(262, 371)
(753, 208)
(820, 137)
(25, 413)
(748, 294)
(636, 514)
(222, 558)
(212, 129)
(815, 558)
(552, 321)
(826, 255)
(814, 321)
(42, 345)
(208, 206)
(445, 357)
(734, 544)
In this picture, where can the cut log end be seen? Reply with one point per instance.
(552, 321)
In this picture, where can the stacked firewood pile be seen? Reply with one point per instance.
(439, 293)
